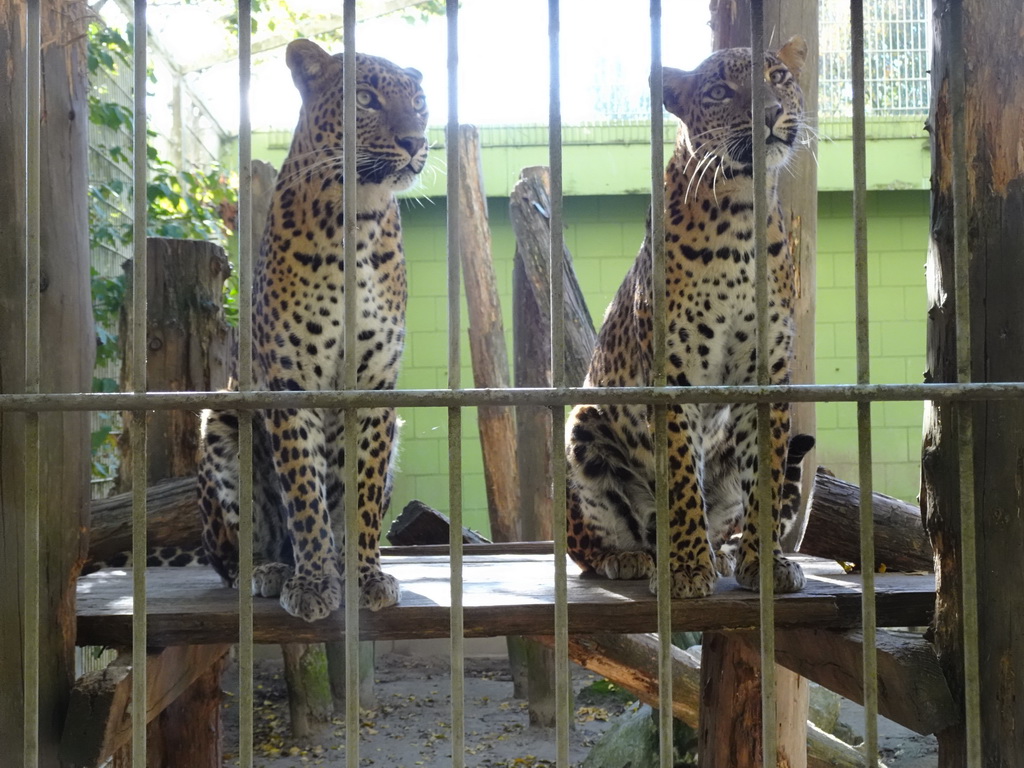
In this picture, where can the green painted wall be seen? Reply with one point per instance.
(606, 178)
(603, 234)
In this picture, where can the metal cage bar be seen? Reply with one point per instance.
(964, 413)
(860, 239)
(766, 577)
(139, 431)
(350, 416)
(33, 257)
(563, 694)
(454, 181)
(246, 691)
(666, 721)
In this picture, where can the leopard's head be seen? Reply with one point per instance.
(391, 114)
(713, 104)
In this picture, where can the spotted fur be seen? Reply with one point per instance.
(298, 330)
(711, 339)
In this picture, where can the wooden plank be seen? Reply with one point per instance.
(912, 690)
(99, 715)
(504, 594)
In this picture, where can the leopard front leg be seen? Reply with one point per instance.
(691, 560)
(376, 445)
(788, 576)
(314, 589)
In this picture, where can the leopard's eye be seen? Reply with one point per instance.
(367, 99)
(419, 102)
(719, 93)
(777, 76)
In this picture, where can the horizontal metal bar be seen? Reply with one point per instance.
(547, 396)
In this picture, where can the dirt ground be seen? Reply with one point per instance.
(410, 726)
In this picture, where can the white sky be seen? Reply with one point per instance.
(503, 58)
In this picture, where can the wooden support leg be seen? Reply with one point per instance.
(336, 665)
(309, 691)
(730, 706)
(190, 728)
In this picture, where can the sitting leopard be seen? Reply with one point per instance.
(298, 332)
(711, 339)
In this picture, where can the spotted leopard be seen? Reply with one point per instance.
(298, 332)
(711, 340)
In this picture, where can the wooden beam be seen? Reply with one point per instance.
(833, 526)
(504, 594)
(631, 662)
(912, 690)
(99, 715)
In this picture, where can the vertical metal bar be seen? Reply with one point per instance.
(457, 647)
(860, 245)
(351, 414)
(658, 309)
(33, 257)
(769, 734)
(245, 476)
(563, 696)
(965, 411)
(138, 368)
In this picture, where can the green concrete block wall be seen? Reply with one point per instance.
(897, 247)
(603, 234)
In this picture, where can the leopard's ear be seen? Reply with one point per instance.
(309, 64)
(793, 54)
(679, 85)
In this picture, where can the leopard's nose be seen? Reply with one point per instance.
(772, 113)
(411, 144)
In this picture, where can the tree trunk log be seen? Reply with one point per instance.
(309, 689)
(173, 520)
(529, 208)
(798, 191)
(68, 346)
(189, 348)
(487, 343)
(994, 110)
(833, 527)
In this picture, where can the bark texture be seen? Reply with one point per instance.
(988, 53)
(68, 342)
(189, 348)
(487, 343)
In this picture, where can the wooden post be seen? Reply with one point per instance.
(529, 205)
(487, 343)
(798, 191)
(189, 348)
(68, 342)
(994, 230)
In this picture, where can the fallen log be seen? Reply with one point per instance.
(631, 662)
(912, 690)
(172, 519)
(833, 527)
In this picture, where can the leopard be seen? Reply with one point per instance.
(711, 339)
(298, 327)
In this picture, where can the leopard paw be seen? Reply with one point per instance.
(788, 575)
(726, 557)
(627, 565)
(692, 580)
(311, 597)
(268, 579)
(378, 590)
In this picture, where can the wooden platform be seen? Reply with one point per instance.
(504, 594)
